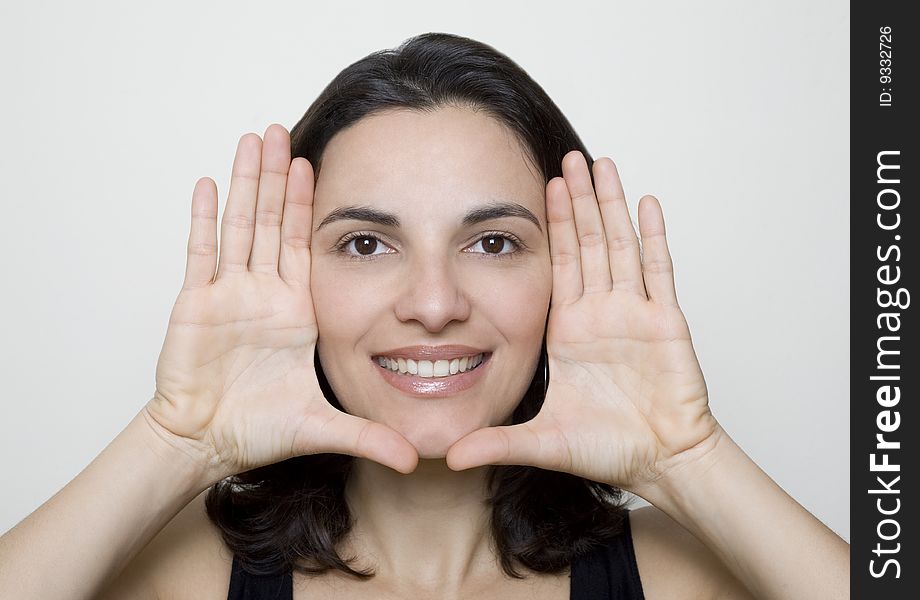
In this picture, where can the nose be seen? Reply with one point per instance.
(432, 294)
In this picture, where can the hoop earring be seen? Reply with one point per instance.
(545, 373)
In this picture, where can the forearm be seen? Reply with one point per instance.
(769, 542)
(87, 532)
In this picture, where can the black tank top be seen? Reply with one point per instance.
(607, 573)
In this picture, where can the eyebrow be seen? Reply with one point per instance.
(492, 210)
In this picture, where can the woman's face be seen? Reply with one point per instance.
(426, 275)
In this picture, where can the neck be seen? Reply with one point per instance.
(430, 529)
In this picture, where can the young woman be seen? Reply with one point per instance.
(426, 360)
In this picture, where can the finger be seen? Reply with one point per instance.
(563, 243)
(657, 268)
(622, 241)
(297, 224)
(595, 262)
(202, 237)
(354, 436)
(276, 161)
(239, 214)
(521, 444)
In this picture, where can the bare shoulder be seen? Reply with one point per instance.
(186, 559)
(673, 563)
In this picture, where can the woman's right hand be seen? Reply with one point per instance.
(235, 379)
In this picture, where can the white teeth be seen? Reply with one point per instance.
(427, 368)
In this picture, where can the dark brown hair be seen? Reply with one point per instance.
(291, 515)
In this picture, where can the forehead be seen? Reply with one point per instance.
(439, 162)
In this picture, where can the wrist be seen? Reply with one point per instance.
(768, 541)
(194, 464)
(692, 475)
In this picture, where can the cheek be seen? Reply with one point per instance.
(339, 304)
(331, 298)
(520, 302)
(344, 300)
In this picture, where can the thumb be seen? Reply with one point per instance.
(343, 433)
(502, 445)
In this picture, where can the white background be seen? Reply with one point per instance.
(735, 115)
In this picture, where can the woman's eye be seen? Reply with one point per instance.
(494, 243)
(364, 245)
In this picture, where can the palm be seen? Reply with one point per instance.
(246, 336)
(235, 378)
(626, 393)
(627, 387)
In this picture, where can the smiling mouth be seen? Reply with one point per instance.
(428, 369)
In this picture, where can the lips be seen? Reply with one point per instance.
(428, 368)
(432, 353)
(434, 387)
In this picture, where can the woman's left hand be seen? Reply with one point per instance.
(626, 400)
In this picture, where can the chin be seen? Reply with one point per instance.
(434, 442)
